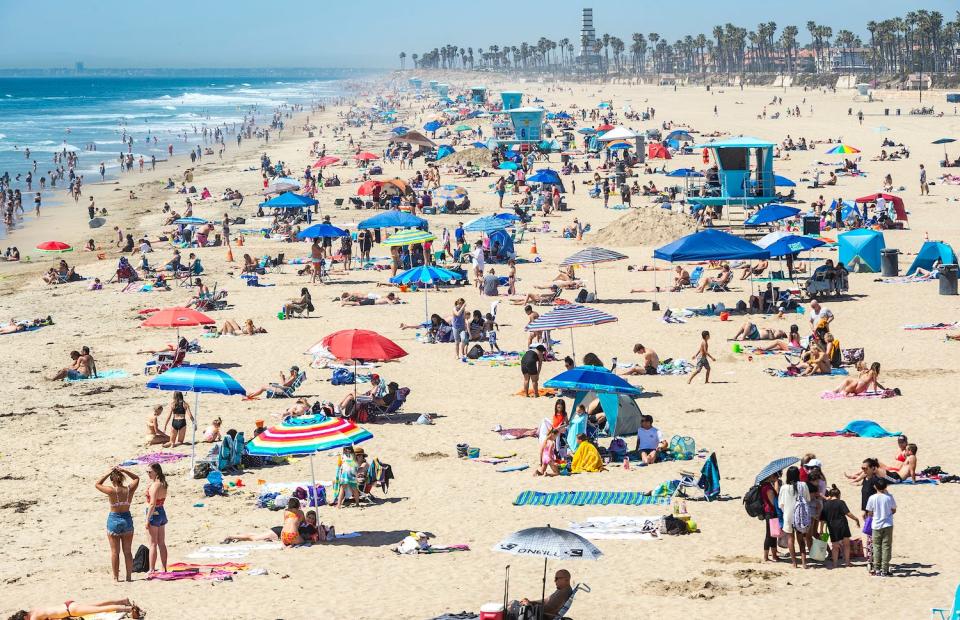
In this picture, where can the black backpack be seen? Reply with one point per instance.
(141, 560)
(475, 352)
(582, 296)
(753, 502)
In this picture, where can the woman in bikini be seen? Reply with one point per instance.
(119, 520)
(292, 518)
(157, 516)
(154, 434)
(863, 383)
(791, 345)
(177, 419)
(77, 609)
(232, 328)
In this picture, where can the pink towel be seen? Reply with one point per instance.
(830, 395)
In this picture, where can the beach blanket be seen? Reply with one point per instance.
(928, 326)
(516, 433)
(588, 498)
(543, 392)
(102, 375)
(505, 358)
(437, 549)
(675, 367)
(512, 468)
(154, 457)
(919, 481)
(835, 372)
(617, 528)
(192, 574)
(908, 279)
(106, 615)
(867, 428)
(830, 395)
(232, 552)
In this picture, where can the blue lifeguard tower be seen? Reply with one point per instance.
(512, 99)
(527, 124)
(417, 83)
(433, 85)
(443, 90)
(478, 94)
(744, 174)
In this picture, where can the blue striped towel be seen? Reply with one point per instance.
(589, 498)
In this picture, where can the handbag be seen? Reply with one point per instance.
(783, 541)
(818, 550)
(775, 529)
(868, 526)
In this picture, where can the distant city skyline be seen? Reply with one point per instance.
(242, 33)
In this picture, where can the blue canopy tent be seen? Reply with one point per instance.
(321, 231)
(771, 213)
(393, 219)
(863, 245)
(931, 252)
(289, 200)
(616, 397)
(547, 176)
(445, 150)
(708, 245)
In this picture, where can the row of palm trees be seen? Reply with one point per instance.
(921, 40)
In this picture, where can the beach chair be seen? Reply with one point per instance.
(338, 203)
(375, 411)
(276, 265)
(954, 613)
(550, 299)
(164, 361)
(562, 612)
(278, 390)
(723, 285)
(695, 276)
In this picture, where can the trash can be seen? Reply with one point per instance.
(886, 111)
(889, 265)
(811, 225)
(948, 279)
(898, 111)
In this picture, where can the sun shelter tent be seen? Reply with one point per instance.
(896, 201)
(707, 245)
(655, 150)
(931, 252)
(415, 138)
(861, 246)
(501, 237)
(289, 200)
(615, 394)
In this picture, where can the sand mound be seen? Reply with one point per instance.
(478, 157)
(646, 226)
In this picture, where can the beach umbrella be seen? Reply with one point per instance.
(199, 380)
(289, 200)
(447, 193)
(780, 181)
(843, 149)
(432, 125)
(679, 135)
(54, 246)
(792, 244)
(604, 128)
(479, 145)
(684, 173)
(444, 151)
(410, 236)
(570, 316)
(774, 467)
(415, 137)
(305, 436)
(771, 213)
(366, 188)
(592, 379)
(393, 218)
(361, 345)
(944, 142)
(487, 224)
(618, 146)
(603, 105)
(462, 127)
(548, 542)
(587, 131)
(178, 316)
(322, 231)
(191, 221)
(400, 130)
(593, 256)
(426, 275)
(366, 156)
(507, 165)
(325, 161)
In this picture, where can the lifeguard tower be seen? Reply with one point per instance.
(417, 83)
(443, 90)
(512, 99)
(433, 85)
(527, 124)
(478, 94)
(743, 177)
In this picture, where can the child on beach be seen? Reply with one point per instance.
(834, 516)
(548, 464)
(490, 327)
(703, 357)
(881, 507)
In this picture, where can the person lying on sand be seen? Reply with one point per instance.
(347, 299)
(750, 331)
(650, 362)
(894, 473)
(791, 344)
(536, 298)
(563, 284)
(232, 328)
(867, 380)
(77, 609)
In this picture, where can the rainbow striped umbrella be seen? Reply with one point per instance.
(305, 436)
(409, 237)
(843, 149)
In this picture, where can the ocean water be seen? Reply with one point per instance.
(49, 114)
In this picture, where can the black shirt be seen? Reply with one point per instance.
(867, 490)
(529, 362)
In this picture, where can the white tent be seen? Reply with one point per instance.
(618, 133)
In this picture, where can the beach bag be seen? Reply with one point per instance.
(342, 376)
(856, 548)
(801, 514)
(753, 504)
(582, 296)
(674, 526)
(818, 550)
(141, 561)
(852, 356)
(475, 352)
(775, 530)
(200, 470)
(783, 540)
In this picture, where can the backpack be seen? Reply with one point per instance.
(582, 296)
(200, 470)
(753, 502)
(801, 513)
(141, 560)
(674, 526)
(475, 352)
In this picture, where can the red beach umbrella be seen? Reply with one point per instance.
(54, 246)
(605, 127)
(365, 156)
(367, 187)
(323, 162)
(178, 317)
(362, 344)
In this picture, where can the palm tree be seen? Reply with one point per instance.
(564, 42)
(788, 41)
(618, 46)
(415, 57)
(403, 57)
(606, 52)
(639, 51)
(654, 38)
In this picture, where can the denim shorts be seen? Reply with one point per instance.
(119, 523)
(159, 517)
(75, 375)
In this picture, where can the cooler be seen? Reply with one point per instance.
(811, 225)
(492, 611)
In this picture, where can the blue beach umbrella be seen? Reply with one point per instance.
(432, 126)
(771, 213)
(445, 150)
(393, 219)
(487, 224)
(792, 244)
(446, 193)
(569, 316)
(289, 200)
(684, 173)
(426, 275)
(400, 130)
(545, 175)
(592, 379)
(587, 131)
(680, 136)
(199, 380)
(508, 165)
(780, 181)
(321, 231)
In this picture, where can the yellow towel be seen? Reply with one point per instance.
(586, 459)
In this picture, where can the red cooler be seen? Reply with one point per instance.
(492, 611)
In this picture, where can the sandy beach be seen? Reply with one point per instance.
(58, 439)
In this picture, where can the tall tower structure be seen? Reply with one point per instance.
(588, 38)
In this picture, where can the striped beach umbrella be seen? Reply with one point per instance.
(570, 316)
(843, 149)
(305, 436)
(774, 467)
(592, 256)
(487, 224)
(409, 237)
(426, 275)
(447, 193)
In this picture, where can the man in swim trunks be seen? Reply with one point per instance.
(650, 362)
(73, 371)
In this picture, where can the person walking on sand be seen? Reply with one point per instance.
(703, 357)
(924, 188)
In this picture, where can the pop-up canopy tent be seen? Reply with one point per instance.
(931, 252)
(896, 201)
(862, 243)
(709, 244)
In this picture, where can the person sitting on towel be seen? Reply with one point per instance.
(650, 441)
(525, 609)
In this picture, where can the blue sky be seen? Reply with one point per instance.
(367, 33)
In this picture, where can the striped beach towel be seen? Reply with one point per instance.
(589, 498)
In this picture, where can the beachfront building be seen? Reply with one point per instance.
(512, 99)
(743, 175)
(588, 58)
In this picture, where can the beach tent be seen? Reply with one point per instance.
(547, 176)
(616, 396)
(289, 200)
(710, 244)
(862, 243)
(656, 150)
(445, 150)
(896, 201)
(503, 238)
(930, 252)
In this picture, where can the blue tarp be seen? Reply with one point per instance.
(709, 245)
(393, 219)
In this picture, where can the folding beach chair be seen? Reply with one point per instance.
(164, 361)
(562, 612)
(278, 390)
(276, 265)
(376, 411)
(695, 276)
(954, 613)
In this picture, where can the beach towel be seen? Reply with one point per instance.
(589, 498)
(617, 528)
(834, 372)
(867, 428)
(437, 549)
(586, 459)
(918, 482)
(929, 326)
(191, 574)
(830, 395)
(709, 480)
(542, 392)
(675, 367)
(102, 375)
(31, 328)
(154, 457)
(232, 552)
(512, 468)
